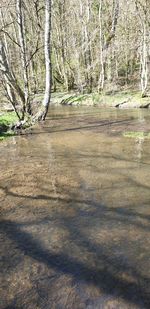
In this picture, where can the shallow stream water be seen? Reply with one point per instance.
(75, 212)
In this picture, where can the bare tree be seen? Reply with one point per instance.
(45, 104)
(105, 46)
(22, 42)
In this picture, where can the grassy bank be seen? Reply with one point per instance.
(116, 99)
(123, 99)
(6, 120)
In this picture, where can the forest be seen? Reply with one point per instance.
(93, 46)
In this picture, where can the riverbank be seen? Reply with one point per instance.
(123, 99)
(116, 99)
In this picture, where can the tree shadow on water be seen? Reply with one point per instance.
(105, 279)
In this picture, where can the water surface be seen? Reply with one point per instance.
(75, 212)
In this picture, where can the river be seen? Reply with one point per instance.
(75, 212)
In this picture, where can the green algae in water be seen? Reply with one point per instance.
(133, 134)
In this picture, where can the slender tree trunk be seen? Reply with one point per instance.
(11, 82)
(46, 101)
(22, 41)
(144, 66)
(9, 90)
(104, 47)
(101, 77)
(63, 41)
(88, 60)
(83, 44)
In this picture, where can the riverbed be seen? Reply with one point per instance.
(75, 212)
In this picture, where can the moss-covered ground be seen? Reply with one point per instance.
(6, 120)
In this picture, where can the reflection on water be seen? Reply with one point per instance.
(75, 211)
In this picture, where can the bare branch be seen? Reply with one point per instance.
(10, 37)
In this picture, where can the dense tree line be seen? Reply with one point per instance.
(101, 44)
(95, 45)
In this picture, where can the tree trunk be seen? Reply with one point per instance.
(101, 77)
(11, 82)
(104, 47)
(22, 41)
(144, 67)
(45, 104)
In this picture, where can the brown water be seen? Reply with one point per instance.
(75, 212)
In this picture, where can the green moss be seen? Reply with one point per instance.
(133, 134)
(6, 120)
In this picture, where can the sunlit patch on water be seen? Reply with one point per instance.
(137, 135)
